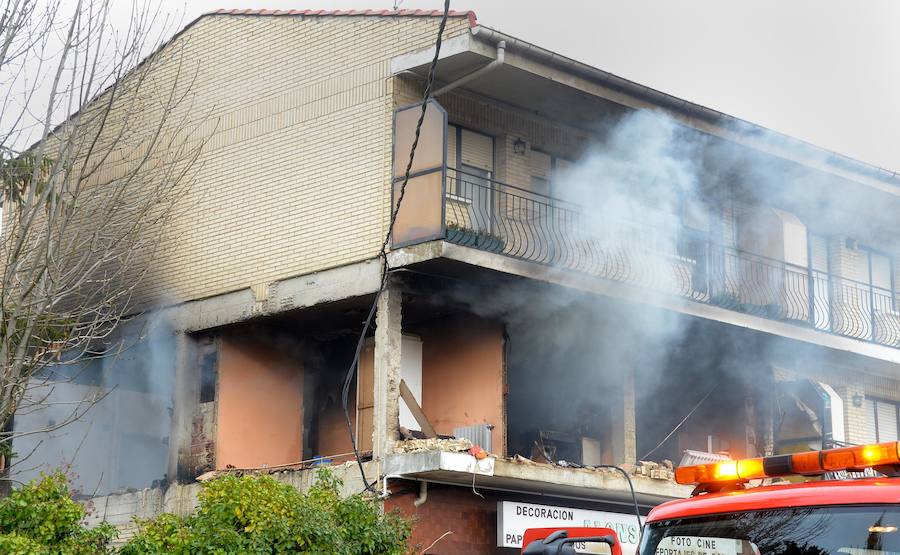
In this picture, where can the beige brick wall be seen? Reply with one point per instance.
(858, 427)
(294, 178)
(498, 120)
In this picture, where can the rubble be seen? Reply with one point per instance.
(654, 470)
(302, 465)
(433, 444)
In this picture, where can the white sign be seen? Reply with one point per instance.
(695, 545)
(514, 518)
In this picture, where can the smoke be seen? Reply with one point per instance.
(640, 175)
(659, 205)
(119, 412)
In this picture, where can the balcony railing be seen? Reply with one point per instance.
(504, 219)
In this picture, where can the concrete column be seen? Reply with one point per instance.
(186, 399)
(625, 427)
(388, 339)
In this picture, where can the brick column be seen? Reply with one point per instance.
(624, 447)
(856, 421)
(388, 339)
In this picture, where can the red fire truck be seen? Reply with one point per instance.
(729, 514)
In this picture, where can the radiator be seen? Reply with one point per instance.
(692, 457)
(479, 434)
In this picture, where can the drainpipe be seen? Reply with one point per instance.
(423, 494)
(385, 492)
(494, 64)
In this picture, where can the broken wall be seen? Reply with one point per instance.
(330, 438)
(714, 395)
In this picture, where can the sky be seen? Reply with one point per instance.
(824, 71)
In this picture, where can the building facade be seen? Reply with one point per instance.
(583, 272)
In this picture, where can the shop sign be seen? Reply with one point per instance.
(513, 518)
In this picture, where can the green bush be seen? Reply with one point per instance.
(41, 517)
(250, 514)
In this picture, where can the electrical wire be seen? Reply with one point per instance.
(637, 511)
(680, 424)
(539, 443)
(395, 209)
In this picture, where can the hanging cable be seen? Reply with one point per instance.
(395, 209)
(680, 424)
(637, 511)
(539, 443)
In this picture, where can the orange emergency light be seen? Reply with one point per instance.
(809, 463)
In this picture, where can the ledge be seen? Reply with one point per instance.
(603, 485)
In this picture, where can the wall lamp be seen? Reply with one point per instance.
(857, 400)
(519, 146)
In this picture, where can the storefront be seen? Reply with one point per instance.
(489, 521)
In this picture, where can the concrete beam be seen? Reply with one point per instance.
(388, 341)
(344, 282)
(604, 485)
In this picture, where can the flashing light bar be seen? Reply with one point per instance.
(809, 463)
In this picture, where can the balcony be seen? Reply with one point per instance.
(488, 215)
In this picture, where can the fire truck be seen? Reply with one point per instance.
(736, 509)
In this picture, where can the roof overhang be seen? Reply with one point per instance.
(519, 82)
(532, 478)
(544, 82)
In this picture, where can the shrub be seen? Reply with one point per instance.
(41, 517)
(250, 514)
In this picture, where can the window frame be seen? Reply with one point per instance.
(457, 158)
(551, 179)
(891, 267)
(875, 401)
(892, 292)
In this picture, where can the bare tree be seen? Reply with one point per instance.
(97, 149)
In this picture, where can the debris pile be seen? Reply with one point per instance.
(654, 470)
(453, 445)
(658, 471)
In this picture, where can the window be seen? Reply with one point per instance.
(472, 182)
(471, 153)
(873, 268)
(540, 185)
(848, 530)
(881, 420)
(875, 271)
(545, 170)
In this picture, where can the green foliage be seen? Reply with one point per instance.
(17, 172)
(41, 518)
(251, 514)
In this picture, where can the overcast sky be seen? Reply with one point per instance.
(825, 71)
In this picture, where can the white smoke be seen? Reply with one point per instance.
(637, 190)
(118, 408)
